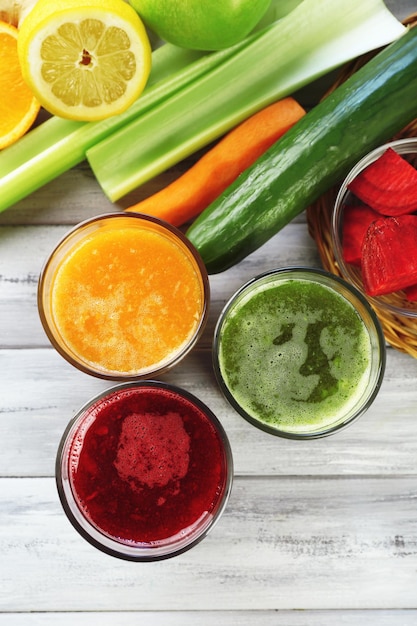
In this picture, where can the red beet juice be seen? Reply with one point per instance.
(144, 470)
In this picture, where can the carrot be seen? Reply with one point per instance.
(188, 195)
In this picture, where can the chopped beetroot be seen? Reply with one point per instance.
(356, 220)
(388, 185)
(389, 255)
(411, 293)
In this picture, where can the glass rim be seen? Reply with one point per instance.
(378, 337)
(147, 551)
(149, 372)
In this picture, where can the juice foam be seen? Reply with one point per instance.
(126, 299)
(295, 355)
(146, 466)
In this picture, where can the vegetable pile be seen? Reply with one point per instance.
(271, 159)
(193, 98)
(313, 156)
(380, 232)
(314, 38)
(188, 195)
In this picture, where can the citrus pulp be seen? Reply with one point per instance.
(84, 59)
(18, 106)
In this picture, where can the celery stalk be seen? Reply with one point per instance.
(57, 144)
(314, 38)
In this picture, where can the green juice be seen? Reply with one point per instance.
(294, 355)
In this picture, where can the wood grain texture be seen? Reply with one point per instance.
(41, 393)
(214, 618)
(292, 543)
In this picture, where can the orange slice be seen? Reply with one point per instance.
(18, 105)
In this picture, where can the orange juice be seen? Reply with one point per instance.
(125, 297)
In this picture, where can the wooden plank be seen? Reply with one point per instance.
(287, 543)
(214, 618)
(75, 196)
(401, 8)
(41, 393)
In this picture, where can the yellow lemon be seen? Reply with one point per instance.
(84, 59)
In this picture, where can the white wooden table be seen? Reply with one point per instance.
(316, 533)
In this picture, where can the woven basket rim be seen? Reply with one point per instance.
(399, 331)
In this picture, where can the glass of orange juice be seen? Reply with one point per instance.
(123, 297)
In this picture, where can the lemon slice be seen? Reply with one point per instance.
(84, 59)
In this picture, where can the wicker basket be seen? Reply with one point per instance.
(400, 331)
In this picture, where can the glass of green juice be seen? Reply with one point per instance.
(299, 352)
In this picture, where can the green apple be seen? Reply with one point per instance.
(201, 24)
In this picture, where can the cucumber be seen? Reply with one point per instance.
(362, 113)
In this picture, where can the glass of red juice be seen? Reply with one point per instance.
(144, 470)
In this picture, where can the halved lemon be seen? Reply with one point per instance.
(84, 59)
(18, 105)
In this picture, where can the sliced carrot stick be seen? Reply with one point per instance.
(188, 195)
